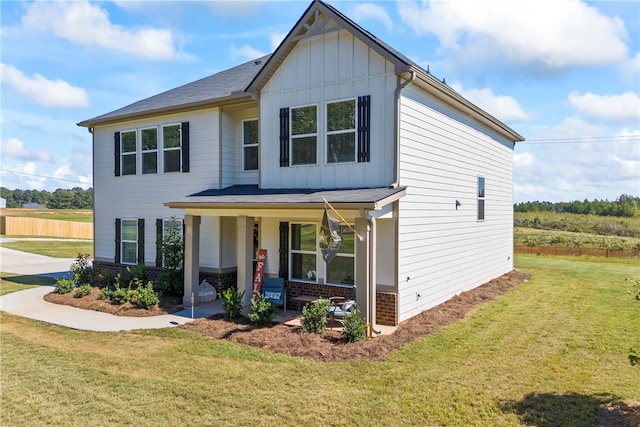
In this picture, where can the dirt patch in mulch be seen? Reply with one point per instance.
(167, 305)
(330, 346)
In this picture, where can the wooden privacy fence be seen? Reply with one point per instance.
(22, 226)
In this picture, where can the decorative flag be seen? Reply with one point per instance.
(330, 237)
(257, 278)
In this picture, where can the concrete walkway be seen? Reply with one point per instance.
(18, 262)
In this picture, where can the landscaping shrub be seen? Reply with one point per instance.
(262, 311)
(355, 327)
(64, 286)
(144, 296)
(171, 282)
(314, 317)
(83, 290)
(106, 293)
(126, 277)
(121, 295)
(106, 278)
(232, 303)
(82, 270)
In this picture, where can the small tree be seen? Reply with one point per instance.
(82, 270)
(232, 303)
(314, 317)
(262, 311)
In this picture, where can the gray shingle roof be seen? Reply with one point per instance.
(221, 85)
(250, 196)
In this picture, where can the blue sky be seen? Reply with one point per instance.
(565, 74)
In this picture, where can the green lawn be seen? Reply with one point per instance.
(53, 248)
(548, 353)
(12, 282)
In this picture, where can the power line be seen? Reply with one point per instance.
(43, 176)
(583, 140)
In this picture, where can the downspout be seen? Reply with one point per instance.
(93, 185)
(396, 164)
(373, 279)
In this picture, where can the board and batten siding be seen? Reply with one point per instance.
(143, 196)
(329, 67)
(443, 251)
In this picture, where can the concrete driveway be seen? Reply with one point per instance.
(12, 261)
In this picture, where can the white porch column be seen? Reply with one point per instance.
(191, 258)
(363, 259)
(245, 259)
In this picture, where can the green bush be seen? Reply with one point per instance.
(82, 270)
(126, 277)
(106, 293)
(171, 282)
(83, 290)
(314, 317)
(144, 296)
(262, 311)
(355, 327)
(106, 278)
(232, 303)
(64, 286)
(121, 295)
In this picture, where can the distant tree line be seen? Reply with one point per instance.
(623, 206)
(74, 198)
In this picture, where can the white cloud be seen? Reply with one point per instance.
(630, 69)
(62, 172)
(240, 9)
(246, 52)
(276, 39)
(372, 11)
(50, 93)
(503, 107)
(545, 34)
(15, 148)
(89, 25)
(611, 108)
(522, 160)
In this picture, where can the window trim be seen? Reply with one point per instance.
(354, 130)
(143, 151)
(303, 252)
(300, 136)
(123, 241)
(481, 209)
(133, 153)
(244, 146)
(178, 148)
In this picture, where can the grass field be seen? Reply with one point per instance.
(59, 214)
(53, 248)
(548, 353)
(555, 238)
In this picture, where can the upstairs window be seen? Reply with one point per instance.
(303, 252)
(171, 148)
(128, 144)
(250, 134)
(304, 135)
(481, 193)
(149, 139)
(341, 131)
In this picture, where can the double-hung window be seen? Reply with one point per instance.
(172, 235)
(171, 148)
(250, 144)
(128, 152)
(341, 270)
(304, 135)
(303, 252)
(481, 195)
(129, 241)
(341, 131)
(149, 139)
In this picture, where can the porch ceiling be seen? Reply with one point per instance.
(252, 197)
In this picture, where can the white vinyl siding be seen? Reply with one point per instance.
(143, 196)
(326, 68)
(443, 251)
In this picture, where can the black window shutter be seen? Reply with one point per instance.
(284, 250)
(141, 241)
(116, 153)
(364, 125)
(118, 240)
(184, 134)
(284, 137)
(159, 228)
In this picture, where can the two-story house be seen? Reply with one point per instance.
(245, 158)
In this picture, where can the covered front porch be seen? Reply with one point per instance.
(286, 223)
